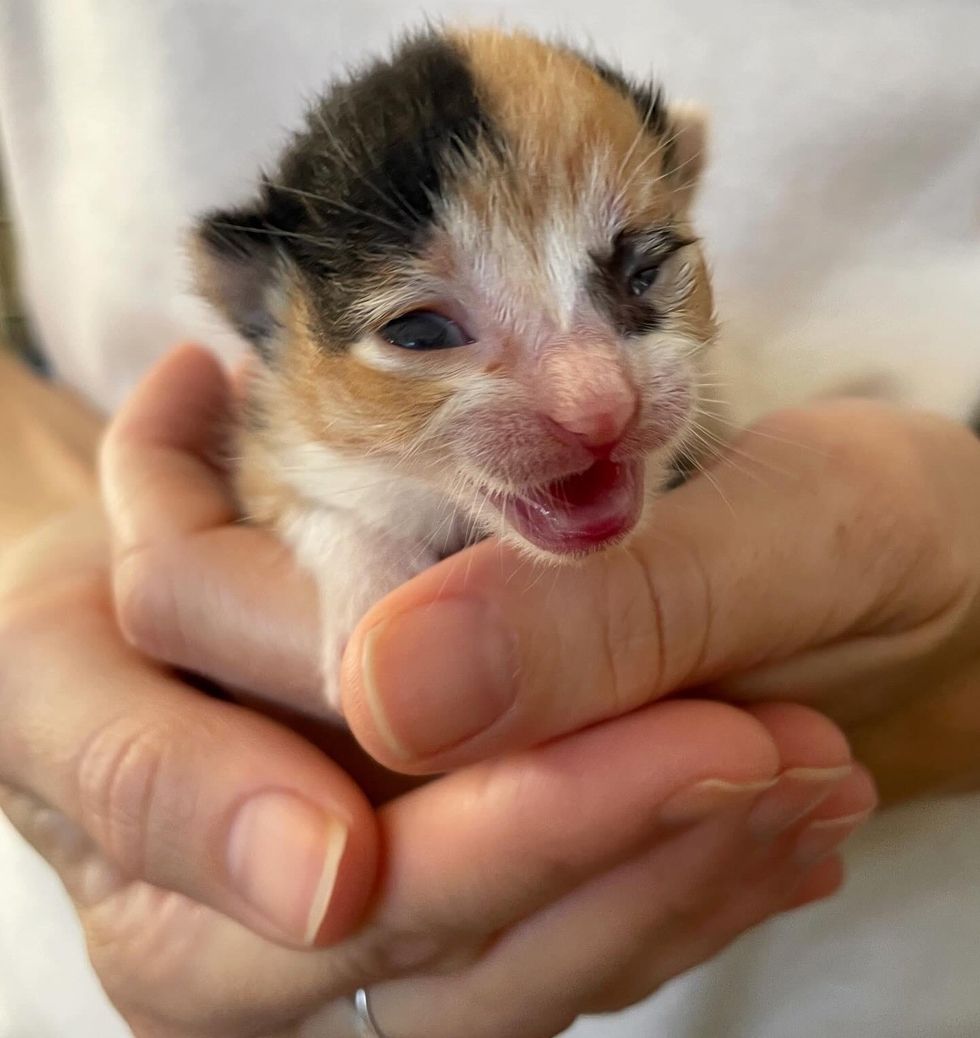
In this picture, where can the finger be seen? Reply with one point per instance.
(709, 590)
(186, 792)
(689, 940)
(778, 892)
(302, 981)
(463, 854)
(816, 763)
(618, 938)
(509, 821)
(847, 808)
(469, 853)
(192, 585)
(822, 881)
(856, 795)
(609, 942)
(85, 872)
(478, 850)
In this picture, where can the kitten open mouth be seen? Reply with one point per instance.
(582, 512)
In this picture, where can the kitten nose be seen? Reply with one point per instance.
(601, 426)
(584, 388)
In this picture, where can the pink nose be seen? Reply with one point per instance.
(602, 427)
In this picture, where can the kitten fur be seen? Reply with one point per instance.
(526, 193)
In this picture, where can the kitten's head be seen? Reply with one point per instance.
(476, 261)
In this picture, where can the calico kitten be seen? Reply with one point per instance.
(480, 308)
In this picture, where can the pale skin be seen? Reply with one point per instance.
(490, 849)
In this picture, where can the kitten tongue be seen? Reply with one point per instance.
(586, 487)
(583, 512)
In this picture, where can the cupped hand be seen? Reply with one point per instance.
(207, 848)
(203, 845)
(830, 557)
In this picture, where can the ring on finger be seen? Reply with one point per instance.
(367, 1026)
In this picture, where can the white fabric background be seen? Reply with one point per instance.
(842, 212)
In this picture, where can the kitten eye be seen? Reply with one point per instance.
(642, 280)
(424, 330)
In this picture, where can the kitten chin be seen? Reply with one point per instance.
(480, 308)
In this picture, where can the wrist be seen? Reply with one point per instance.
(49, 446)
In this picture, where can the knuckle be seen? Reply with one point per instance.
(145, 610)
(139, 950)
(39, 628)
(632, 651)
(558, 858)
(689, 903)
(384, 952)
(122, 796)
(659, 621)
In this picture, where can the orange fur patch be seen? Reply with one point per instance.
(345, 403)
(557, 115)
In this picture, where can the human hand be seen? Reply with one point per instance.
(832, 557)
(130, 783)
(49, 439)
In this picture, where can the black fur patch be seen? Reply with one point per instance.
(360, 182)
(236, 267)
(975, 420)
(608, 282)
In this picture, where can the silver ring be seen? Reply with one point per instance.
(367, 1026)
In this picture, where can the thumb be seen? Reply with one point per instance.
(802, 533)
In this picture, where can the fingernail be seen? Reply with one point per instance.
(798, 792)
(439, 674)
(706, 798)
(820, 838)
(283, 857)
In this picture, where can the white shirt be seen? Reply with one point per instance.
(842, 214)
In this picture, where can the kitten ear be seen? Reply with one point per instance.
(687, 134)
(240, 270)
